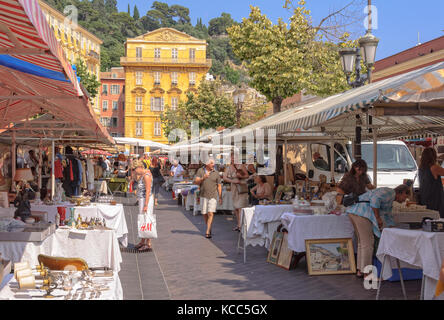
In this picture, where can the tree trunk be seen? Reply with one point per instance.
(277, 101)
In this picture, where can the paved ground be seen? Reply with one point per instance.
(186, 265)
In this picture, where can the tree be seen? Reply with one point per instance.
(111, 6)
(136, 14)
(218, 26)
(209, 106)
(181, 13)
(129, 10)
(88, 80)
(285, 59)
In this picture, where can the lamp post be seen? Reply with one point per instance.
(239, 98)
(351, 59)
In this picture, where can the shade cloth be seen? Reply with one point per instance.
(414, 249)
(301, 228)
(99, 248)
(9, 290)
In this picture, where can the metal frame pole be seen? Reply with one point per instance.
(52, 170)
(375, 158)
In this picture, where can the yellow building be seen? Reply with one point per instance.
(160, 68)
(76, 42)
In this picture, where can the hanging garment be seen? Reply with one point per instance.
(90, 174)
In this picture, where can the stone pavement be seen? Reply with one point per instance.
(185, 265)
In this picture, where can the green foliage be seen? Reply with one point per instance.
(88, 80)
(218, 26)
(136, 14)
(209, 106)
(284, 59)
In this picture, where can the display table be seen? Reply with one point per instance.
(261, 222)
(227, 202)
(301, 228)
(99, 248)
(9, 290)
(412, 249)
(114, 216)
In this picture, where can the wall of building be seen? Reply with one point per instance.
(112, 108)
(149, 74)
(77, 43)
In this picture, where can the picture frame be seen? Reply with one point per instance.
(286, 258)
(275, 247)
(330, 256)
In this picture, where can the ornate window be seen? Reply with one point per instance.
(139, 130)
(139, 103)
(139, 77)
(157, 128)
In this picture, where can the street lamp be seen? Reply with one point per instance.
(239, 98)
(351, 57)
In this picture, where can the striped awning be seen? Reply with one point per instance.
(28, 44)
(36, 79)
(420, 86)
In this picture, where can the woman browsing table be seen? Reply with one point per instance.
(368, 216)
(237, 175)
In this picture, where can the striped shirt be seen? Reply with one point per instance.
(380, 198)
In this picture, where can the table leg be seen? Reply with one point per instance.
(401, 278)
(380, 276)
(422, 286)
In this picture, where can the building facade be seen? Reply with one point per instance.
(420, 56)
(160, 68)
(77, 43)
(112, 99)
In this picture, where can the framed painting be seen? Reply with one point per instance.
(330, 256)
(275, 247)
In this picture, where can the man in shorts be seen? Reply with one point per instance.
(210, 187)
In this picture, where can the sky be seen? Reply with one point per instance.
(398, 21)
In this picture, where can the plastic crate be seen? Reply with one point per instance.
(407, 273)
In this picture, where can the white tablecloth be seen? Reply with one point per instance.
(301, 228)
(415, 249)
(9, 290)
(99, 248)
(262, 222)
(114, 217)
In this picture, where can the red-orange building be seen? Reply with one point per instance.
(112, 97)
(420, 56)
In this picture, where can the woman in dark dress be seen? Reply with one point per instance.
(430, 183)
(158, 179)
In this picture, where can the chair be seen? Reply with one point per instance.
(60, 263)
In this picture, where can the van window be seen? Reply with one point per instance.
(340, 159)
(320, 154)
(391, 157)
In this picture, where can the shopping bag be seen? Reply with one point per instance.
(147, 226)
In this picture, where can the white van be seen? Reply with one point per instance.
(395, 162)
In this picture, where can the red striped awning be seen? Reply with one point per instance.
(25, 35)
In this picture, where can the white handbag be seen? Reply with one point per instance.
(146, 222)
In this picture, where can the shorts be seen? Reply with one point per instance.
(208, 205)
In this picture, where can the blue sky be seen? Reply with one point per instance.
(399, 21)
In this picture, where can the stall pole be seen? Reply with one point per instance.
(375, 158)
(285, 163)
(52, 171)
(40, 166)
(332, 162)
(14, 160)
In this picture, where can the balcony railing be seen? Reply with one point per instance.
(133, 60)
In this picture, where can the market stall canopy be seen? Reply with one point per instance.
(96, 152)
(36, 78)
(407, 105)
(140, 143)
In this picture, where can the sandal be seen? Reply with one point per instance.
(359, 274)
(145, 247)
(236, 229)
(138, 245)
(208, 235)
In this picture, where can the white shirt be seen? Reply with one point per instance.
(177, 170)
(108, 165)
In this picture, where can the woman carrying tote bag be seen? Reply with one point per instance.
(146, 222)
